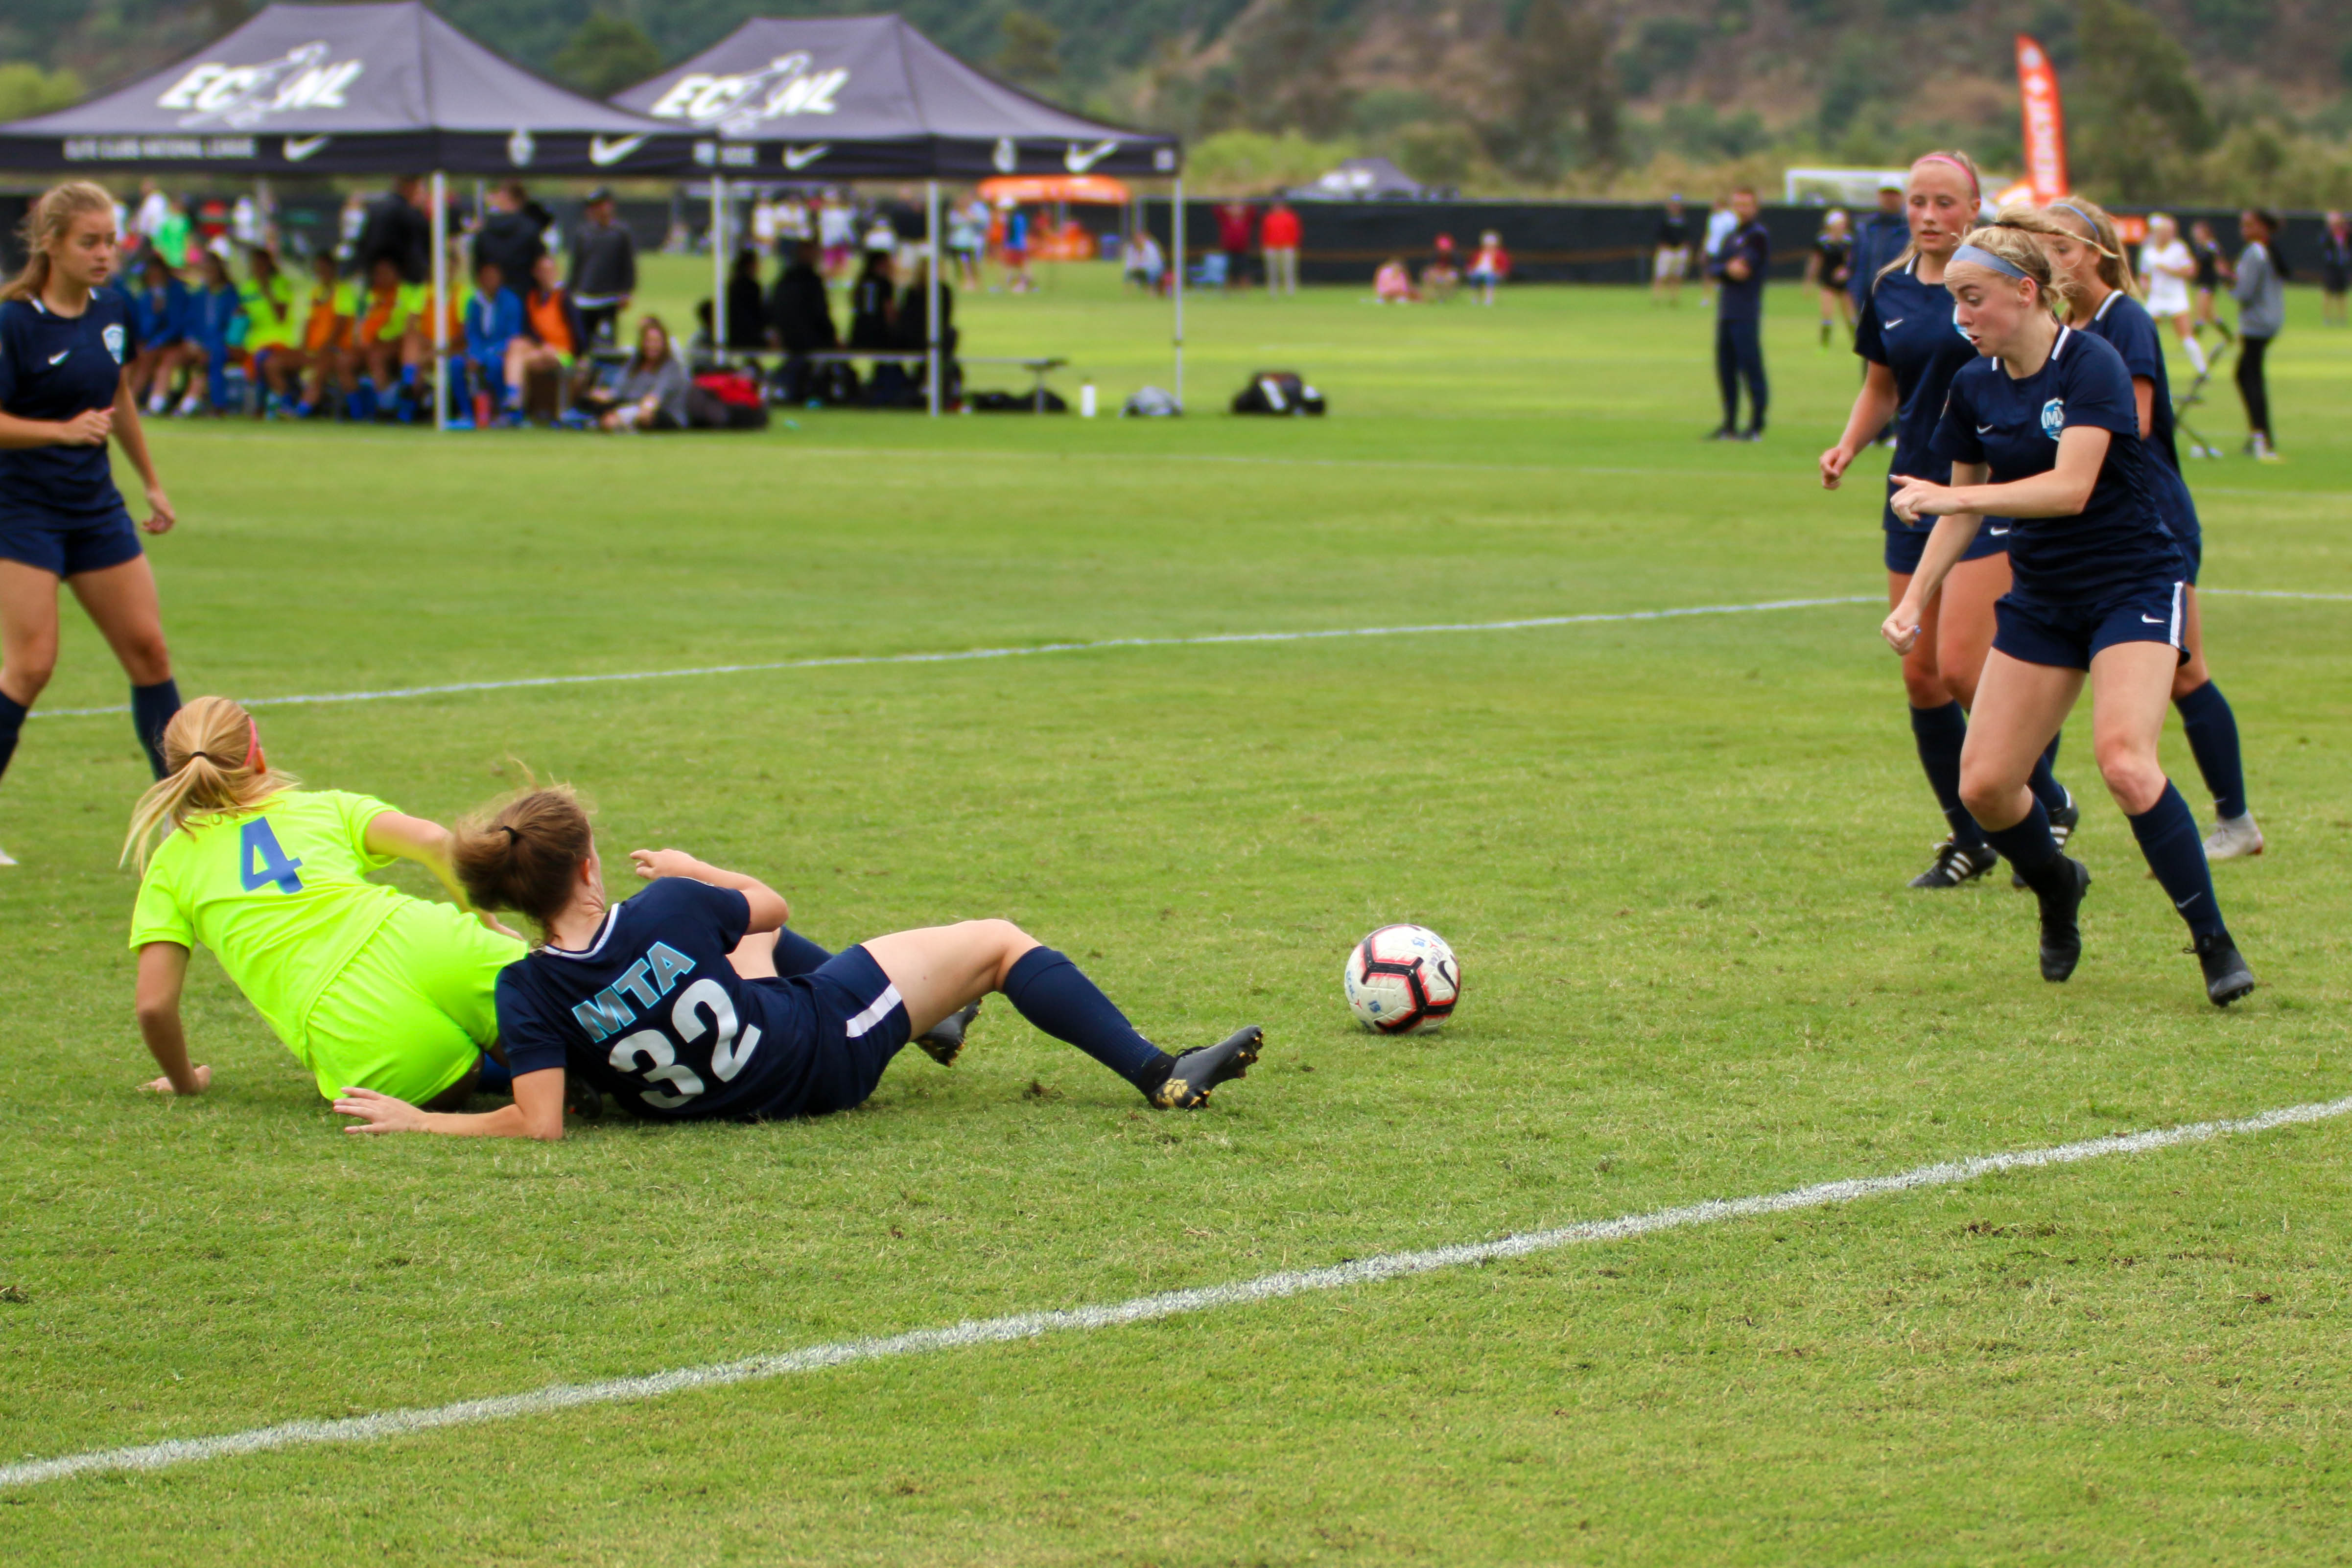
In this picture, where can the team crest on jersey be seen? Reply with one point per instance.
(2054, 418)
(112, 338)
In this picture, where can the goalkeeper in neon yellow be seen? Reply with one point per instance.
(367, 986)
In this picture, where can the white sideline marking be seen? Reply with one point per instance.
(1140, 1309)
(971, 654)
(2274, 593)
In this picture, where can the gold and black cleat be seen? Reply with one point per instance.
(1197, 1072)
(945, 1042)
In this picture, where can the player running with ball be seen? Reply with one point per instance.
(2043, 428)
(1906, 340)
(662, 1005)
(65, 340)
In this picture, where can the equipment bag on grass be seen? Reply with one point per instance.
(1277, 392)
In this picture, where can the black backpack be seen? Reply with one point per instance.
(1277, 392)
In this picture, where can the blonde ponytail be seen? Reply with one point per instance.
(2113, 269)
(2014, 237)
(48, 224)
(216, 767)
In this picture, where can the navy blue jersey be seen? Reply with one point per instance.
(1906, 326)
(2131, 331)
(1742, 299)
(2118, 540)
(54, 367)
(653, 1014)
(160, 315)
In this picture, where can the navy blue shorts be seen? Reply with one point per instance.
(2069, 636)
(1906, 544)
(845, 1017)
(2193, 547)
(69, 545)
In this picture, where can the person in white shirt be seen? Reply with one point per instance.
(1721, 224)
(1145, 262)
(763, 225)
(792, 224)
(837, 231)
(2166, 267)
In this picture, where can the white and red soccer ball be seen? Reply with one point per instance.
(1402, 978)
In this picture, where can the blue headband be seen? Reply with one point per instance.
(2080, 213)
(1977, 255)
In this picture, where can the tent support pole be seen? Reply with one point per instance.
(718, 267)
(440, 300)
(931, 290)
(1176, 260)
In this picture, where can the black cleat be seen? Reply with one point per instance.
(2226, 976)
(2062, 823)
(945, 1042)
(1956, 864)
(2062, 938)
(1197, 1072)
(1721, 432)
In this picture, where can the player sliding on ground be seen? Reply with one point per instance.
(661, 1004)
(364, 983)
(2047, 415)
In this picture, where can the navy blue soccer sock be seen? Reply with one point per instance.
(2213, 741)
(796, 954)
(493, 1077)
(12, 723)
(2031, 853)
(1940, 732)
(2167, 832)
(1053, 993)
(2043, 782)
(152, 709)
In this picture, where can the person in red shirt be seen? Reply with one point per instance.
(1277, 237)
(1490, 267)
(1236, 236)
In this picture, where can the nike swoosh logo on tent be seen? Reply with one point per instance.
(298, 148)
(602, 151)
(1079, 159)
(801, 157)
(55, 358)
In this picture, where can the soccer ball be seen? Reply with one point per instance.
(1402, 978)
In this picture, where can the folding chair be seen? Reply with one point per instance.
(2198, 445)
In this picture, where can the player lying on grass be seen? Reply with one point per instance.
(645, 999)
(363, 983)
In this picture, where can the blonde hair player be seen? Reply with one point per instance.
(2042, 428)
(364, 983)
(662, 1003)
(2166, 267)
(2089, 254)
(66, 340)
(1910, 351)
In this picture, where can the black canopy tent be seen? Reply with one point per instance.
(343, 90)
(869, 98)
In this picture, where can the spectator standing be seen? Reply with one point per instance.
(396, 229)
(1739, 268)
(794, 223)
(2335, 268)
(800, 315)
(967, 237)
(746, 312)
(1277, 237)
(881, 233)
(1491, 266)
(173, 236)
(837, 231)
(1878, 239)
(1016, 249)
(1720, 223)
(1671, 254)
(2210, 272)
(153, 208)
(1236, 234)
(2166, 269)
(514, 234)
(1830, 269)
(764, 229)
(603, 270)
(2261, 293)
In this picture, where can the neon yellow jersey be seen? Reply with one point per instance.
(269, 312)
(278, 894)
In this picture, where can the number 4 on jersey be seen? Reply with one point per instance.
(259, 861)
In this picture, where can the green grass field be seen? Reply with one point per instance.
(1671, 854)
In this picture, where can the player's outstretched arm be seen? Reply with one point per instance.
(162, 971)
(427, 843)
(537, 1113)
(769, 909)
